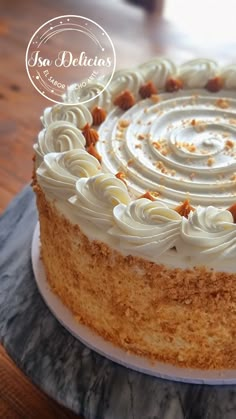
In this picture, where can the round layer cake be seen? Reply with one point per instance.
(136, 193)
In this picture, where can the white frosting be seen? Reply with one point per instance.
(97, 196)
(78, 115)
(208, 233)
(89, 94)
(145, 228)
(196, 73)
(158, 70)
(59, 172)
(125, 80)
(229, 76)
(174, 157)
(59, 136)
(182, 147)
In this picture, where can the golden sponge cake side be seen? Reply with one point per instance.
(186, 317)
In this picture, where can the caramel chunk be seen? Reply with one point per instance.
(222, 103)
(210, 161)
(184, 209)
(124, 100)
(155, 98)
(173, 85)
(152, 196)
(121, 176)
(215, 84)
(130, 162)
(99, 115)
(147, 89)
(141, 137)
(232, 209)
(90, 134)
(92, 150)
(123, 123)
(229, 144)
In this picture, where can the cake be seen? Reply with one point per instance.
(136, 194)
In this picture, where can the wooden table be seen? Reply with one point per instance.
(181, 33)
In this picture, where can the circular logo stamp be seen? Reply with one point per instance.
(66, 50)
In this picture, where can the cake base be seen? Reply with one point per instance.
(107, 349)
(182, 317)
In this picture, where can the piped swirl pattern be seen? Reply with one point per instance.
(180, 145)
(185, 145)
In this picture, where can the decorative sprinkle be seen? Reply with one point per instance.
(157, 145)
(99, 115)
(121, 176)
(124, 123)
(119, 134)
(147, 89)
(164, 151)
(160, 165)
(91, 135)
(91, 150)
(152, 196)
(192, 148)
(222, 103)
(155, 98)
(189, 146)
(229, 144)
(130, 162)
(210, 161)
(199, 126)
(125, 100)
(173, 85)
(232, 209)
(215, 84)
(184, 209)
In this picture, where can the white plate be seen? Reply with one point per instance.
(108, 350)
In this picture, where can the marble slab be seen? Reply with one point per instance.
(63, 367)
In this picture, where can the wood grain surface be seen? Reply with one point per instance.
(20, 399)
(183, 31)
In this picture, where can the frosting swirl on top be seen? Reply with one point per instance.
(78, 115)
(97, 196)
(182, 147)
(125, 80)
(158, 70)
(59, 171)
(93, 93)
(229, 76)
(208, 232)
(196, 73)
(59, 136)
(146, 228)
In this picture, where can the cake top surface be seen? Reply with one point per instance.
(149, 163)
